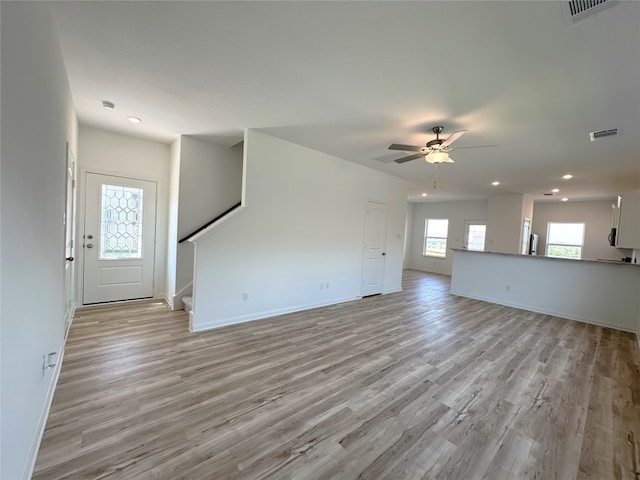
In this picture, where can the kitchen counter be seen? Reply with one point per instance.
(602, 292)
(599, 260)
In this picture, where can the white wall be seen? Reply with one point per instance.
(302, 225)
(172, 221)
(504, 222)
(37, 121)
(593, 292)
(408, 236)
(210, 183)
(597, 215)
(112, 153)
(629, 224)
(457, 213)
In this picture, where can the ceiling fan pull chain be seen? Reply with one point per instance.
(435, 176)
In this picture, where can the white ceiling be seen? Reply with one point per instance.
(350, 78)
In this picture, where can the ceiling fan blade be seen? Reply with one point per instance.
(405, 148)
(475, 146)
(409, 158)
(452, 138)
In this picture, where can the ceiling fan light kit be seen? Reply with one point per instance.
(438, 157)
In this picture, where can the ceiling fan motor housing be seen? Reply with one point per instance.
(437, 141)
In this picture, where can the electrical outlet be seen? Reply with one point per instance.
(326, 285)
(49, 361)
(321, 286)
(508, 288)
(245, 296)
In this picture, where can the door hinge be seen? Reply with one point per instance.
(73, 184)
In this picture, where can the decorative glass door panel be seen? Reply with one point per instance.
(121, 222)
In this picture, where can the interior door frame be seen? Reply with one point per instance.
(70, 291)
(81, 192)
(465, 233)
(364, 241)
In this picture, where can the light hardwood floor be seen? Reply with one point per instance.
(412, 385)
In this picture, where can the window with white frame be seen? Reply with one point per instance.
(474, 235)
(435, 237)
(565, 240)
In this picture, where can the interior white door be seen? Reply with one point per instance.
(119, 238)
(375, 239)
(69, 231)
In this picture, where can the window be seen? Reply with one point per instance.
(474, 233)
(565, 240)
(120, 222)
(435, 237)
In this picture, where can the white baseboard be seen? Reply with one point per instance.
(44, 415)
(175, 302)
(191, 322)
(262, 315)
(167, 300)
(395, 290)
(68, 321)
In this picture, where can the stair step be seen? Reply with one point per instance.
(187, 300)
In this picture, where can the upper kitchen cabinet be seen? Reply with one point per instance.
(628, 231)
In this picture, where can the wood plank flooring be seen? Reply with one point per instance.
(412, 385)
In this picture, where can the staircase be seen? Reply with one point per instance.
(187, 300)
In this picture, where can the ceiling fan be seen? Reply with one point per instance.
(435, 151)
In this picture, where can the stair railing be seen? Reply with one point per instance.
(209, 223)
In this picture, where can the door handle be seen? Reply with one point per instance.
(70, 259)
(89, 245)
(383, 254)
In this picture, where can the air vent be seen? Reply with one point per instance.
(603, 133)
(576, 11)
(548, 194)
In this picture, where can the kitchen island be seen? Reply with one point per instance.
(600, 292)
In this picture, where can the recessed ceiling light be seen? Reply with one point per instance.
(564, 199)
(555, 190)
(134, 119)
(425, 194)
(108, 105)
(495, 184)
(567, 176)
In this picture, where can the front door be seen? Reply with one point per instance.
(375, 240)
(119, 238)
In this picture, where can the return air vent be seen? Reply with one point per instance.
(603, 133)
(576, 11)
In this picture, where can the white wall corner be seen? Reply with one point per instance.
(167, 299)
(191, 322)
